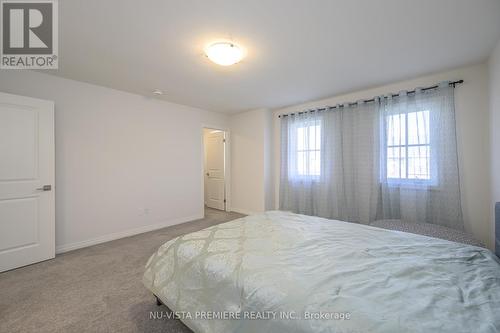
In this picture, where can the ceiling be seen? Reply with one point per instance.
(296, 50)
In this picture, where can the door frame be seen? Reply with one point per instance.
(227, 165)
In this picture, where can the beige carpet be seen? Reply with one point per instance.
(96, 289)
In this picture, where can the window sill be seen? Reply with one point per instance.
(298, 179)
(412, 186)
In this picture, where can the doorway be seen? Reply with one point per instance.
(215, 169)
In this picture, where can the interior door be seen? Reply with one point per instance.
(214, 172)
(27, 218)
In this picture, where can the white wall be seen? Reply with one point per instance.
(472, 132)
(251, 164)
(124, 163)
(268, 161)
(494, 68)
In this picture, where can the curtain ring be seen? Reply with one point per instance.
(444, 84)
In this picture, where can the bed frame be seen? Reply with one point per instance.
(158, 300)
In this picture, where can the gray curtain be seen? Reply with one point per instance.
(395, 158)
(346, 188)
(431, 191)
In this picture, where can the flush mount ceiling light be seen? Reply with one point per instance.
(157, 92)
(224, 53)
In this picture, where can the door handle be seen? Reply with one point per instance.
(45, 188)
(208, 175)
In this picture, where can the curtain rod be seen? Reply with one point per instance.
(453, 84)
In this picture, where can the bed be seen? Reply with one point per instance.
(283, 272)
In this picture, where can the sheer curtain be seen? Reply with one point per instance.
(395, 158)
(419, 163)
(337, 176)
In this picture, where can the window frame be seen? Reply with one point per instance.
(409, 182)
(306, 124)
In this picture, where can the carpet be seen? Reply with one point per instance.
(95, 289)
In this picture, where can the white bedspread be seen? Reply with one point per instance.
(313, 272)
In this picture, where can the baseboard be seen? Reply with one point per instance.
(243, 211)
(126, 233)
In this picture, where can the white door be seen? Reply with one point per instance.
(214, 173)
(26, 181)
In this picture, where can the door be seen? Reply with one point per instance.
(26, 181)
(214, 173)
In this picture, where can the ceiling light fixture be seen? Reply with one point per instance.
(224, 53)
(157, 92)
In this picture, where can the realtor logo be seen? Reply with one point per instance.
(29, 34)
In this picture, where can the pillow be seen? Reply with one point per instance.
(427, 229)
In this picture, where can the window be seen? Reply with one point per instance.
(308, 149)
(408, 148)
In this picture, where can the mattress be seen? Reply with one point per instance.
(283, 272)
